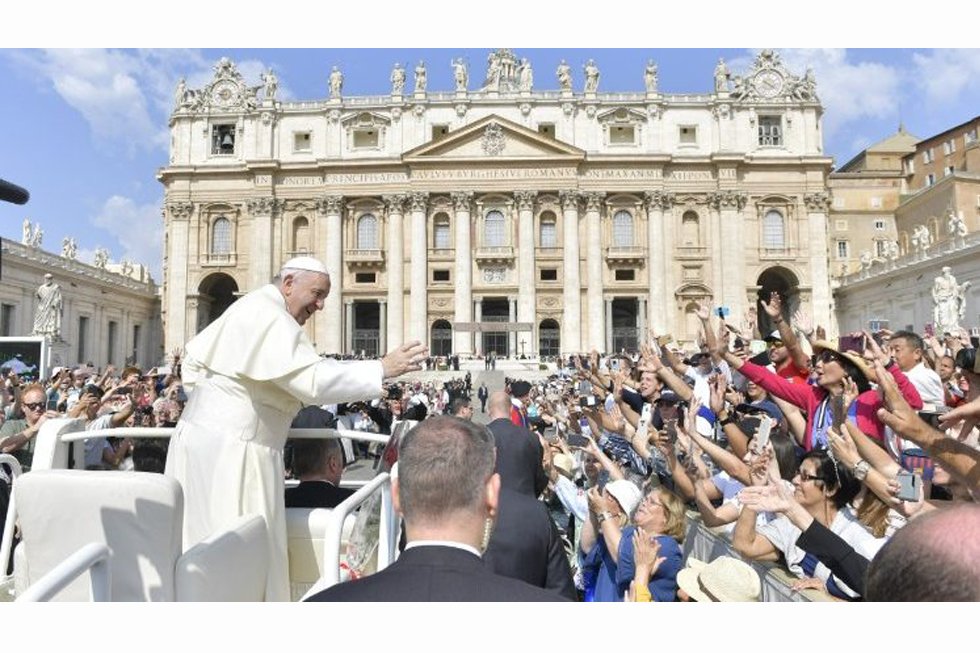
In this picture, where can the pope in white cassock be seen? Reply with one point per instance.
(248, 374)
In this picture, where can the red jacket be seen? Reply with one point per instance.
(808, 398)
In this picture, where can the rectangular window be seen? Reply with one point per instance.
(881, 248)
(547, 129)
(302, 142)
(688, 135)
(549, 274)
(843, 249)
(549, 234)
(441, 235)
(930, 179)
(970, 136)
(622, 135)
(365, 277)
(7, 319)
(770, 131)
(365, 138)
(950, 170)
(82, 338)
(438, 131)
(111, 342)
(223, 139)
(879, 225)
(440, 275)
(876, 202)
(625, 275)
(927, 156)
(909, 166)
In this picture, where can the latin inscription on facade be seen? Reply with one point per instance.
(364, 177)
(623, 174)
(535, 173)
(690, 175)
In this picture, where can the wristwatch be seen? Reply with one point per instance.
(861, 470)
(603, 516)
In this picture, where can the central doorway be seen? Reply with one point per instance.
(495, 310)
(625, 335)
(367, 328)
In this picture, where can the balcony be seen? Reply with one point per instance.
(228, 260)
(631, 254)
(364, 258)
(495, 254)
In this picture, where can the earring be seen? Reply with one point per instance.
(487, 532)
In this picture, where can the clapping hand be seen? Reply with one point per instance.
(646, 550)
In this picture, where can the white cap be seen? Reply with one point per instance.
(305, 263)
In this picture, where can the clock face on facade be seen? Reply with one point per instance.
(224, 93)
(768, 83)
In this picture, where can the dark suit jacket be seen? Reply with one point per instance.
(436, 573)
(525, 545)
(316, 494)
(519, 456)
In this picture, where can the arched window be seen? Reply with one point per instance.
(301, 235)
(622, 229)
(690, 230)
(773, 230)
(493, 229)
(221, 236)
(440, 232)
(367, 232)
(549, 230)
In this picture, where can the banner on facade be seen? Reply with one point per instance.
(491, 327)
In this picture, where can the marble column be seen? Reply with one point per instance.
(817, 205)
(418, 294)
(395, 267)
(608, 339)
(463, 294)
(571, 290)
(599, 331)
(641, 321)
(512, 336)
(382, 327)
(715, 244)
(478, 317)
(178, 215)
(330, 332)
(525, 259)
(658, 260)
(732, 253)
(349, 326)
(260, 252)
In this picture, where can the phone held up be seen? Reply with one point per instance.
(909, 486)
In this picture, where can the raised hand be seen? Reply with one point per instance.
(766, 498)
(842, 444)
(774, 308)
(718, 385)
(703, 311)
(407, 358)
(803, 322)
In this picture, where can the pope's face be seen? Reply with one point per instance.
(304, 293)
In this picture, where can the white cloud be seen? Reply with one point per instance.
(138, 230)
(944, 75)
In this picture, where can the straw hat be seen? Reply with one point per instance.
(858, 361)
(724, 579)
(564, 464)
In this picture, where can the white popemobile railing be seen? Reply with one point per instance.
(53, 450)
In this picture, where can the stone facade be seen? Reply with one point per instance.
(107, 317)
(505, 218)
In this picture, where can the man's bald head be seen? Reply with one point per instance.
(933, 558)
(499, 404)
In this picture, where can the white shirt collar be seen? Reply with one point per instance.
(454, 545)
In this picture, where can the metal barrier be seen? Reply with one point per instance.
(93, 557)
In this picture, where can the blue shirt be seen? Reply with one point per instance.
(612, 580)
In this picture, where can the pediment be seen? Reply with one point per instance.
(494, 138)
(622, 115)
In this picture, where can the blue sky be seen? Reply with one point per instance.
(85, 130)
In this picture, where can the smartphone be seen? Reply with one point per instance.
(670, 428)
(837, 414)
(908, 485)
(851, 343)
(586, 401)
(614, 364)
(929, 330)
(762, 435)
(643, 425)
(576, 440)
(665, 340)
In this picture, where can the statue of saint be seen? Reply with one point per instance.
(526, 76)
(459, 74)
(591, 77)
(564, 73)
(866, 260)
(955, 226)
(921, 239)
(949, 302)
(37, 237)
(650, 77)
(271, 85)
(25, 238)
(891, 249)
(180, 94)
(336, 83)
(65, 246)
(397, 80)
(47, 317)
(101, 258)
(721, 76)
(421, 78)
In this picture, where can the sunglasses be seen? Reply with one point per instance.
(34, 405)
(826, 356)
(804, 477)
(775, 343)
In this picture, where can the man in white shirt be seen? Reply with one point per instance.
(251, 370)
(906, 348)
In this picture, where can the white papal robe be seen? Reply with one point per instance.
(247, 375)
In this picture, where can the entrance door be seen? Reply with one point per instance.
(367, 331)
(495, 310)
(625, 332)
(442, 338)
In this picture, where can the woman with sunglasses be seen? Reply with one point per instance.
(833, 369)
(824, 489)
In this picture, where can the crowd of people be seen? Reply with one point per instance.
(840, 461)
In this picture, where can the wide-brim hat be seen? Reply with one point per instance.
(626, 494)
(724, 579)
(857, 361)
(564, 464)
